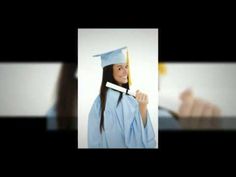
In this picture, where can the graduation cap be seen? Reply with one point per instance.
(115, 57)
(112, 57)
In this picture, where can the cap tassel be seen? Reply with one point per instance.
(162, 69)
(129, 76)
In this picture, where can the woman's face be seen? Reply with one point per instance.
(120, 73)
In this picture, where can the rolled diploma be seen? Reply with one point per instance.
(119, 88)
(169, 102)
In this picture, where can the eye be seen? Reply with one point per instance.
(119, 68)
(126, 67)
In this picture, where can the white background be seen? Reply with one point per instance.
(27, 89)
(143, 52)
(215, 82)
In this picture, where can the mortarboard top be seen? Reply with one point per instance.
(112, 57)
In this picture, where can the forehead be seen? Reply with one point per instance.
(121, 64)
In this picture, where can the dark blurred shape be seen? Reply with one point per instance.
(66, 103)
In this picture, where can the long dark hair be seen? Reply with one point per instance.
(107, 77)
(66, 103)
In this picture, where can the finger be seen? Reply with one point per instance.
(208, 111)
(146, 98)
(197, 110)
(137, 94)
(185, 109)
(137, 97)
(216, 112)
(186, 95)
(142, 97)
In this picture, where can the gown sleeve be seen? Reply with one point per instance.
(94, 136)
(136, 135)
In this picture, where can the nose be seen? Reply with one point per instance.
(125, 71)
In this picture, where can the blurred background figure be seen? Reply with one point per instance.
(190, 111)
(36, 90)
(27, 89)
(63, 114)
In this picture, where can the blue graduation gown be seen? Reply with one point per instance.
(122, 123)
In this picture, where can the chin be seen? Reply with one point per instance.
(126, 82)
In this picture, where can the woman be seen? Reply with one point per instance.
(118, 120)
(63, 115)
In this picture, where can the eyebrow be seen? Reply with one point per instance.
(121, 65)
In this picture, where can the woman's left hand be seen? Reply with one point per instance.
(196, 113)
(142, 99)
